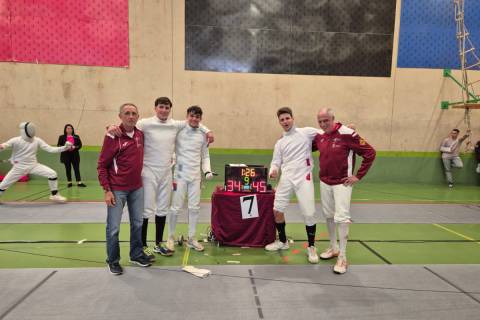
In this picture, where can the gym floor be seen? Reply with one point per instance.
(414, 253)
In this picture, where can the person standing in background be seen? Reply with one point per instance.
(71, 157)
(450, 149)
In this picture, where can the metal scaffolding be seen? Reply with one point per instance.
(469, 60)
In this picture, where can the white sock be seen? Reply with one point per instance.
(343, 235)
(192, 222)
(332, 233)
(53, 184)
(172, 223)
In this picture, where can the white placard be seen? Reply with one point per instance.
(249, 206)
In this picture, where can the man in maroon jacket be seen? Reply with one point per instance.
(338, 145)
(119, 172)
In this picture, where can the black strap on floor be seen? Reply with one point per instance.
(255, 294)
(3, 315)
(453, 285)
(374, 252)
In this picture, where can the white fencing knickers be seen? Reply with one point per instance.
(19, 170)
(305, 193)
(157, 186)
(336, 202)
(192, 190)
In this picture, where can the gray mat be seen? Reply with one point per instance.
(244, 292)
(76, 212)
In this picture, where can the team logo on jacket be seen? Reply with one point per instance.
(362, 142)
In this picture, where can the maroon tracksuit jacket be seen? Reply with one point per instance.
(337, 154)
(121, 161)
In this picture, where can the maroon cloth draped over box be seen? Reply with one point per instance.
(230, 229)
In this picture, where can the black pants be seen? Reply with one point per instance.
(76, 167)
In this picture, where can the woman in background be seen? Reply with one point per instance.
(72, 157)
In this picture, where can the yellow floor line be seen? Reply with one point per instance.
(456, 233)
(186, 256)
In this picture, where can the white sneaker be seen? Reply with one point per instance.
(58, 198)
(277, 245)
(192, 243)
(341, 266)
(312, 254)
(329, 254)
(170, 244)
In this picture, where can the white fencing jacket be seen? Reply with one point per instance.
(292, 154)
(24, 151)
(159, 143)
(191, 152)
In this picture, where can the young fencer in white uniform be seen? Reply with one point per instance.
(192, 158)
(24, 160)
(292, 155)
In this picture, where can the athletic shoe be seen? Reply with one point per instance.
(81, 184)
(341, 266)
(312, 254)
(162, 250)
(69, 185)
(115, 268)
(277, 245)
(171, 244)
(142, 261)
(149, 253)
(58, 198)
(329, 254)
(192, 243)
(450, 185)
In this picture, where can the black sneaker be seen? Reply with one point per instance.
(69, 185)
(81, 184)
(115, 268)
(142, 261)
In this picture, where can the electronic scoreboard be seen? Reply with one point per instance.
(246, 178)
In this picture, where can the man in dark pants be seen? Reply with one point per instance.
(119, 172)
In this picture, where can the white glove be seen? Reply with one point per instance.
(208, 175)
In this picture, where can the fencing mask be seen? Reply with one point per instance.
(27, 130)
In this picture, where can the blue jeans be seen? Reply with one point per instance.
(134, 200)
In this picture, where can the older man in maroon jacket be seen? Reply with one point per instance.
(338, 145)
(119, 172)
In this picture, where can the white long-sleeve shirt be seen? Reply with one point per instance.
(293, 154)
(451, 148)
(191, 151)
(159, 143)
(25, 152)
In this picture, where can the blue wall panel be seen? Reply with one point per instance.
(427, 33)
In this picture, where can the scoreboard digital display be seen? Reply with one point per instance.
(245, 178)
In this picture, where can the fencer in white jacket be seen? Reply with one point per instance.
(192, 158)
(160, 134)
(24, 160)
(292, 155)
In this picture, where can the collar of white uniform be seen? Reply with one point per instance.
(161, 121)
(191, 128)
(292, 130)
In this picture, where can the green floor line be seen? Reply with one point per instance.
(64, 246)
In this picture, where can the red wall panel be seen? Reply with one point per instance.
(87, 32)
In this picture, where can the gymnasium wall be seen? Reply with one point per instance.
(396, 113)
